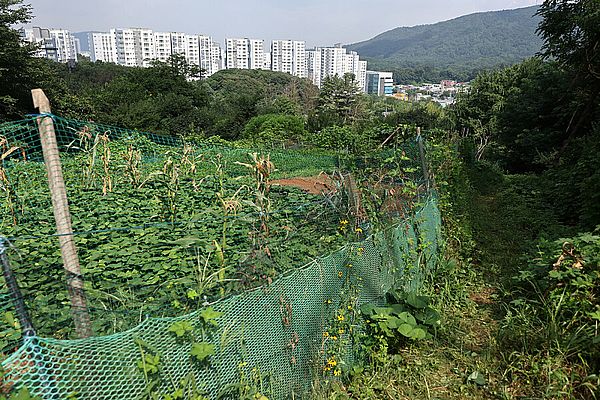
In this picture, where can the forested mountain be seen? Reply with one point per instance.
(457, 48)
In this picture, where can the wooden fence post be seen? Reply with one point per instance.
(60, 205)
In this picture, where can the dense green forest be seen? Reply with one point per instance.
(515, 162)
(455, 49)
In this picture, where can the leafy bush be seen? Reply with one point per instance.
(274, 129)
(554, 315)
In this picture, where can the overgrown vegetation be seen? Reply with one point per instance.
(513, 308)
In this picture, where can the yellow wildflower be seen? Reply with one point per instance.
(359, 230)
(344, 222)
(337, 372)
(332, 362)
(349, 307)
(340, 274)
(334, 337)
(341, 331)
(340, 317)
(325, 334)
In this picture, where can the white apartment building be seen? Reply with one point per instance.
(244, 53)
(268, 61)
(289, 56)
(134, 47)
(138, 47)
(256, 52)
(65, 45)
(331, 61)
(102, 47)
(357, 67)
(237, 53)
(210, 54)
(55, 44)
(313, 66)
(179, 43)
(162, 45)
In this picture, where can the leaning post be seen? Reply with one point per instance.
(60, 205)
(423, 160)
(14, 291)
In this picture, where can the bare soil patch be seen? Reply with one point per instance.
(314, 185)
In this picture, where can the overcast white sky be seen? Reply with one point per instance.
(319, 22)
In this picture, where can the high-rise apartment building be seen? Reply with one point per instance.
(55, 44)
(180, 44)
(256, 51)
(162, 46)
(139, 47)
(65, 45)
(244, 53)
(134, 47)
(237, 53)
(323, 62)
(313, 66)
(102, 47)
(357, 67)
(289, 56)
(209, 55)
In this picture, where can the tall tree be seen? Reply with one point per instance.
(571, 33)
(338, 100)
(14, 58)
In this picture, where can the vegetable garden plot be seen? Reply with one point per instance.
(164, 231)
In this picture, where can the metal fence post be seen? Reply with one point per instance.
(14, 291)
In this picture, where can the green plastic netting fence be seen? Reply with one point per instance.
(270, 337)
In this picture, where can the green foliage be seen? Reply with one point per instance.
(454, 49)
(201, 351)
(253, 385)
(571, 32)
(512, 118)
(408, 317)
(22, 394)
(513, 115)
(553, 316)
(274, 130)
(209, 316)
(239, 95)
(159, 263)
(181, 328)
(14, 58)
(339, 101)
(332, 137)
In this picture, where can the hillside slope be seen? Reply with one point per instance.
(461, 45)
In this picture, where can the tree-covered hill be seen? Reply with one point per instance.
(457, 48)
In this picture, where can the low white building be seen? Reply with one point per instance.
(380, 83)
